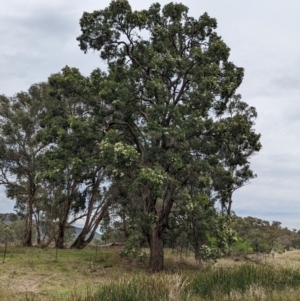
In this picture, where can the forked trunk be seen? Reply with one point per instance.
(63, 221)
(44, 244)
(156, 249)
(91, 224)
(80, 241)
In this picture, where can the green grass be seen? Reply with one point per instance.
(242, 282)
(135, 288)
(224, 282)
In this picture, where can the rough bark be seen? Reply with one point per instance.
(156, 249)
(198, 238)
(156, 233)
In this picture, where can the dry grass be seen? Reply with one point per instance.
(35, 274)
(257, 293)
(287, 259)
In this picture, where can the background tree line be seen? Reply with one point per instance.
(257, 235)
(160, 139)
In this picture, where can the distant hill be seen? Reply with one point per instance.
(78, 230)
(8, 218)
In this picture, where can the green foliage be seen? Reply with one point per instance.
(105, 228)
(133, 247)
(208, 232)
(20, 149)
(6, 233)
(240, 143)
(241, 247)
(73, 167)
(218, 240)
(133, 242)
(13, 232)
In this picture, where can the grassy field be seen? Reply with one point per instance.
(100, 274)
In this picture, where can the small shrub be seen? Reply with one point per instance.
(241, 247)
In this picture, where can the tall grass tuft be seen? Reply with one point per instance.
(243, 282)
(242, 278)
(140, 288)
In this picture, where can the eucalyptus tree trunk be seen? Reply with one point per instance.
(156, 235)
(156, 248)
(60, 240)
(62, 224)
(27, 238)
(38, 228)
(229, 204)
(198, 243)
(198, 238)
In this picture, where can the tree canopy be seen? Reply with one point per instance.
(161, 139)
(176, 117)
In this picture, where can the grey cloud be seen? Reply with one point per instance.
(292, 112)
(6, 205)
(286, 82)
(278, 87)
(274, 195)
(38, 42)
(288, 220)
(268, 204)
(39, 28)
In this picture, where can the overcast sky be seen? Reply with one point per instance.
(38, 38)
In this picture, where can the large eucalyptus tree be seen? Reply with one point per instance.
(169, 81)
